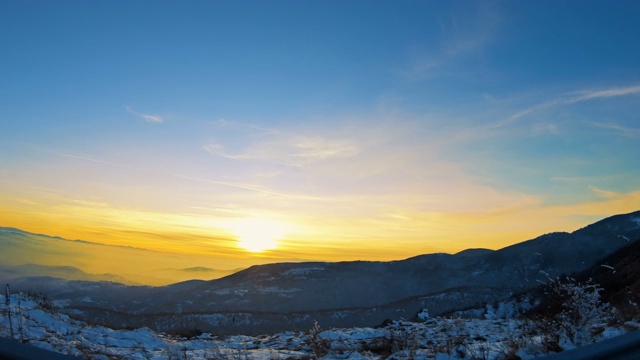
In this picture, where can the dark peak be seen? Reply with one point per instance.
(423, 256)
(621, 222)
(553, 234)
(473, 252)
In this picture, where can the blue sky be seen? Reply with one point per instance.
(366, 129)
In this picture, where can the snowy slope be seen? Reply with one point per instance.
(36, 323)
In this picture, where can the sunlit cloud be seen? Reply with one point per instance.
(604, 193)
(401, 169)
(146, 117)
(406, 170)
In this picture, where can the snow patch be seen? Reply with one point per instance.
(300, 273)
(423, 315)
(277, 291)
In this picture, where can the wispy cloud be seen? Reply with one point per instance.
(604, 193)
(99, 161)
(570, 98)
(463, 34)
(146, 117)
(599, 94)
(570, 179)
(618, 129)
(544, 128)
(241, 186)
(243, 127)
(291, 149)
(393, 161)
(253, 188)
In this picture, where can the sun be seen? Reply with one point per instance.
(258, 235)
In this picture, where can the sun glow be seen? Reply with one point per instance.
(258, 235)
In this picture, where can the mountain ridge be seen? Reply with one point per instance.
(274, 297)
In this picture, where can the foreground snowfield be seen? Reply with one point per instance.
(437, 338)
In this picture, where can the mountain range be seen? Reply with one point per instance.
(292, 296)
(27, 254)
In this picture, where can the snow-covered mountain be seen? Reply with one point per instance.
(292, 296)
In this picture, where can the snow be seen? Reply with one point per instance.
(624, 237)
(300, 273)
(423, 315)
(436, 338)
(277, 291)
(608, 267)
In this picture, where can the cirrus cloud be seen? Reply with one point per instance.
(292, 150)
(146, 117)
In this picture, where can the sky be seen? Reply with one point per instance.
(249, 132)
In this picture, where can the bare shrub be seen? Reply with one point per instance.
(319, 346)
(573, 315)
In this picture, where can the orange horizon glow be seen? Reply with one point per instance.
(393, 238)
(201, 241)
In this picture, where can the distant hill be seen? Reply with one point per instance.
(24, 254)
(8, 273)
(290, 296)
